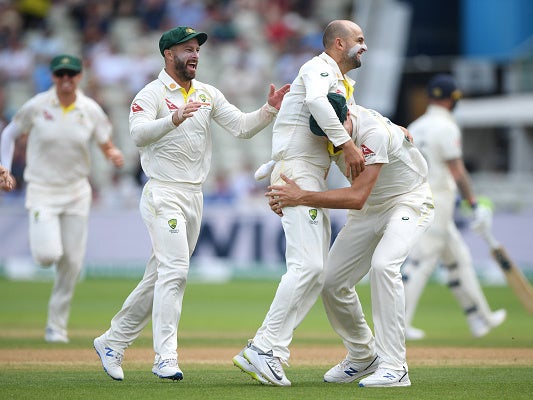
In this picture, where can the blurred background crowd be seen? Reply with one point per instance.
(486, 44)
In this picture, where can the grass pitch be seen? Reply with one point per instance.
(216, 322)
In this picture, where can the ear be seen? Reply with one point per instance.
(340, 43)
(168, 54)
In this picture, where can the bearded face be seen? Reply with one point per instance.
(355, 53)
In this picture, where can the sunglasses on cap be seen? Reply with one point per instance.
(62, 72)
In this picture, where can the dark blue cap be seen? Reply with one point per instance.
(443, 86)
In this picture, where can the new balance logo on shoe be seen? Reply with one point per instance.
(389, 376)
(348, 371)
(351, 372)
(385, 377)
(111, 359)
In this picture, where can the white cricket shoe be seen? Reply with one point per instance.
(412, 333)
(242, 363)
(497, 318)
(347, 371)
(385, 377)
(268, 366)
(479, 327)
(111, 359)
(167, 368)
(54, 336)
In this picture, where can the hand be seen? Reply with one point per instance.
(348, 124)
(482, 222)
(116, 157)
(7, 181)
(353, 159)
(288, 195)
(274, 206)
(275, 97)
(407, 134)
(185, 111)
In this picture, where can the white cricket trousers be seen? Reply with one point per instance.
(172, 213)
(443, 243)
(308, 234)
(58, 235)
(376, 239)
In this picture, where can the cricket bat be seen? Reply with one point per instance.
(514, 276)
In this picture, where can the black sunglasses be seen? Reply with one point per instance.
(61, 73)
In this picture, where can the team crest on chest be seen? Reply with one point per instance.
(206, 100)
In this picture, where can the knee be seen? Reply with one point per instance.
(334, 294)
(172, 275)
(315, 271)
(383, 267)
(379, 265)
(45, 257)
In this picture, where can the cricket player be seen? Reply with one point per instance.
(304, 157)
(170, 122)
(439, 138)
(61, 123)
(390, 206)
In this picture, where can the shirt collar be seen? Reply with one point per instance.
(54, 100)
(170, 83)
(333, 64)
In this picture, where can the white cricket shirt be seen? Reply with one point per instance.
(183, 153)
(382, 142)
(438, 137)
(58, 149)
(292, 137)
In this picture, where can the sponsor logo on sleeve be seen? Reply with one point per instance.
(171, 106)
(48, 116)
(367, 152)
(136, 108)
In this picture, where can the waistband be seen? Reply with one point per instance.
(191, 187)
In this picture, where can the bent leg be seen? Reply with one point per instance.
(45, 236)
(307, 246)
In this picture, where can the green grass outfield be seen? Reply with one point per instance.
(219, 318)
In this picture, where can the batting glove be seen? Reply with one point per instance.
(482, 222)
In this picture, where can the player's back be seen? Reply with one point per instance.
(404, 168)
(438, 137)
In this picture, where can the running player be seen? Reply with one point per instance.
(439, 138)
(61, 124)
(170, 122)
